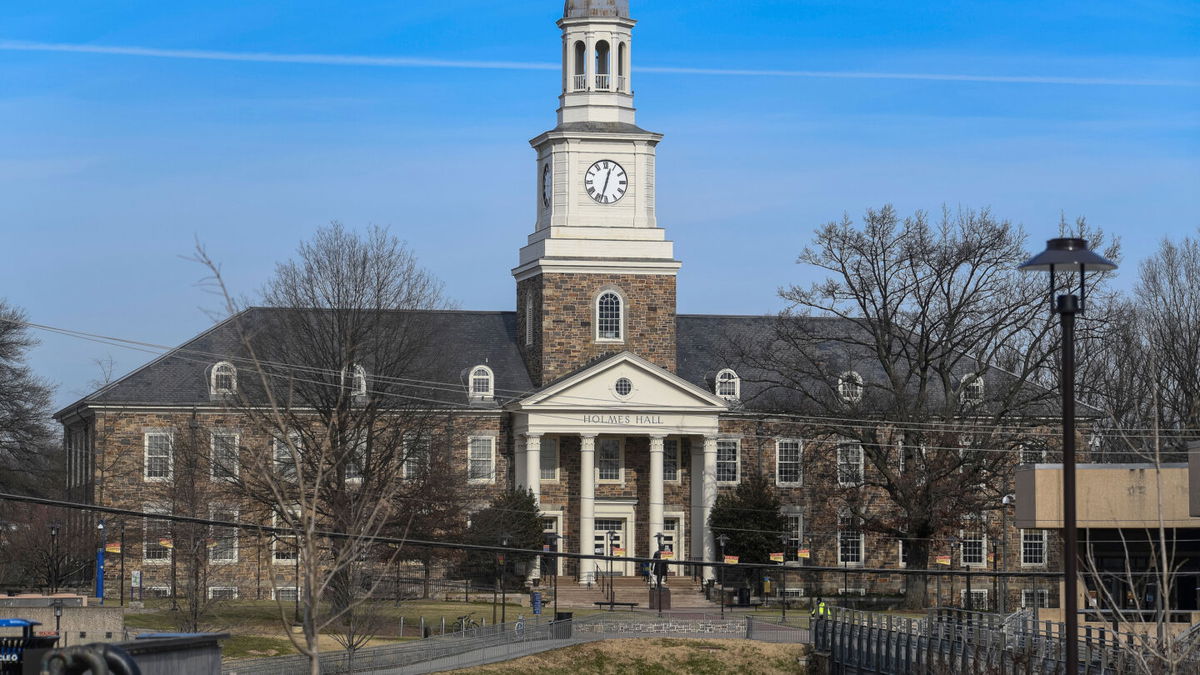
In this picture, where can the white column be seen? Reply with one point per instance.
(656, 493)
(590, 63)
(533, 465)
(519, 463)
(587, 503)
(533, 481)
(709, 479)
(696, 476)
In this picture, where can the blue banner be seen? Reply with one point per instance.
(536, 600)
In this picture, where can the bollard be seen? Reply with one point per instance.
(443, 625)
(401, 626)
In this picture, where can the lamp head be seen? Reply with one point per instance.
(1068, 254)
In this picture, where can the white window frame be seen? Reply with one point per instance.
(358, 380)
(276, 539)
(294, 590)
(620, 316)
(1045, 547)
(422, 458)
(972, 389)
(799, 462)
(357, 456)
(163, 591)
(977, 605)
(491, 477)
(976, 525)
(737, 460)
(549, 443)
(728, 376)
(620, 480)
(905, 449)
(213, 512)
(214, 464)
(281, 467)
(1024, 451)
(480, 371)
(857, 590)
(557, 517)
(862, 548)
(213, 389)
(795, 540)
(170, 435)
(900, 554)
(147, 523)
(223, 588)
(678, 444)
(1040, 598)
(850, 387)
(843, 459)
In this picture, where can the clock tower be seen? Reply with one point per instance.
(597, 275)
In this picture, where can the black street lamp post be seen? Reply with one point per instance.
(722, 540)
(658, 570)
(1069, 255)
(58, 607)
(54, 563)
(503, 590)
(612, 592)
(783, 539)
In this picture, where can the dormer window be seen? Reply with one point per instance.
(223, 380)
(850, 387)
(358, 381)
(729, 385)
(610, 317)
(972, 389)
(482, 383)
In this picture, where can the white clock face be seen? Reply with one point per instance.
(547, 184)
(606, 181)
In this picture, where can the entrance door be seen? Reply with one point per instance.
(671, 542)
(602, 546)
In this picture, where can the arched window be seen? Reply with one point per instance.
(482, 383)
(603, 66)
(358, 381)
(850, 387)
(579, 78)
(729, 385)
(223, 379)
(610, 318)
(972, 389)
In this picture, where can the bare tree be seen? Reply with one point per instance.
(897, 349)
(36, 549)
(28, 446)
(330, 371)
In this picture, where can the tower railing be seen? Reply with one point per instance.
(578, 82)
(603, 81)
(621, 83)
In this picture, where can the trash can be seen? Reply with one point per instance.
(743, 597)
(562, 625)
(665, 594)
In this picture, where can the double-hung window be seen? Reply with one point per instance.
(481, 464)
(416, 455)
(159, 449)
(1033, 547)
(285, 453)
(222, 539)
(850, 464)
(795, 534)
(670, 459)
(608, 460)
(850, 539)
(974, 543)
(285, 547)
(224, 455)
(548, 459)
(727, 460)
(156, 542)
(787, 462)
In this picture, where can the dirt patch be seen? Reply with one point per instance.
(657, 656)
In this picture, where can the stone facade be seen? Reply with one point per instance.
(564, 315)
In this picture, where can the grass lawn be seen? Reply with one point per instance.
(656, 656)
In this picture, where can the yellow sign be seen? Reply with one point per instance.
(991, 557)
(166, 543)
(776, 557)
(731, 560)
(618, 550)
(943, 560)
(114, 547)
(803, 553)
(666, 555)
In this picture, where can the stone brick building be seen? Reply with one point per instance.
(620, 414)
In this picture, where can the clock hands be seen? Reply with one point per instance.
(607, 177)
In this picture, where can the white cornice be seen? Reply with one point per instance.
(581, 266)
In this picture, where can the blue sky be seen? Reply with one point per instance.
(112, 164)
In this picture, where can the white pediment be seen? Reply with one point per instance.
(652, 389)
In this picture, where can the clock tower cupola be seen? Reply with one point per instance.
(597, 275)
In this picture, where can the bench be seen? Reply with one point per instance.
(610, 605)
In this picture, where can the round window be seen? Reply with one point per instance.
(624, 387)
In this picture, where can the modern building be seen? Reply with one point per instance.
(620, 414)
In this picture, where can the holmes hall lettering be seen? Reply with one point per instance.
(622, 419)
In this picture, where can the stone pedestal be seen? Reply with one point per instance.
(666, 598)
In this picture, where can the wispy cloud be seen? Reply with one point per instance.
(422, 62)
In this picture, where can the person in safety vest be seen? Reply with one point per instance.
(819, 610)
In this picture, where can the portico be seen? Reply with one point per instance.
(619, 435)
